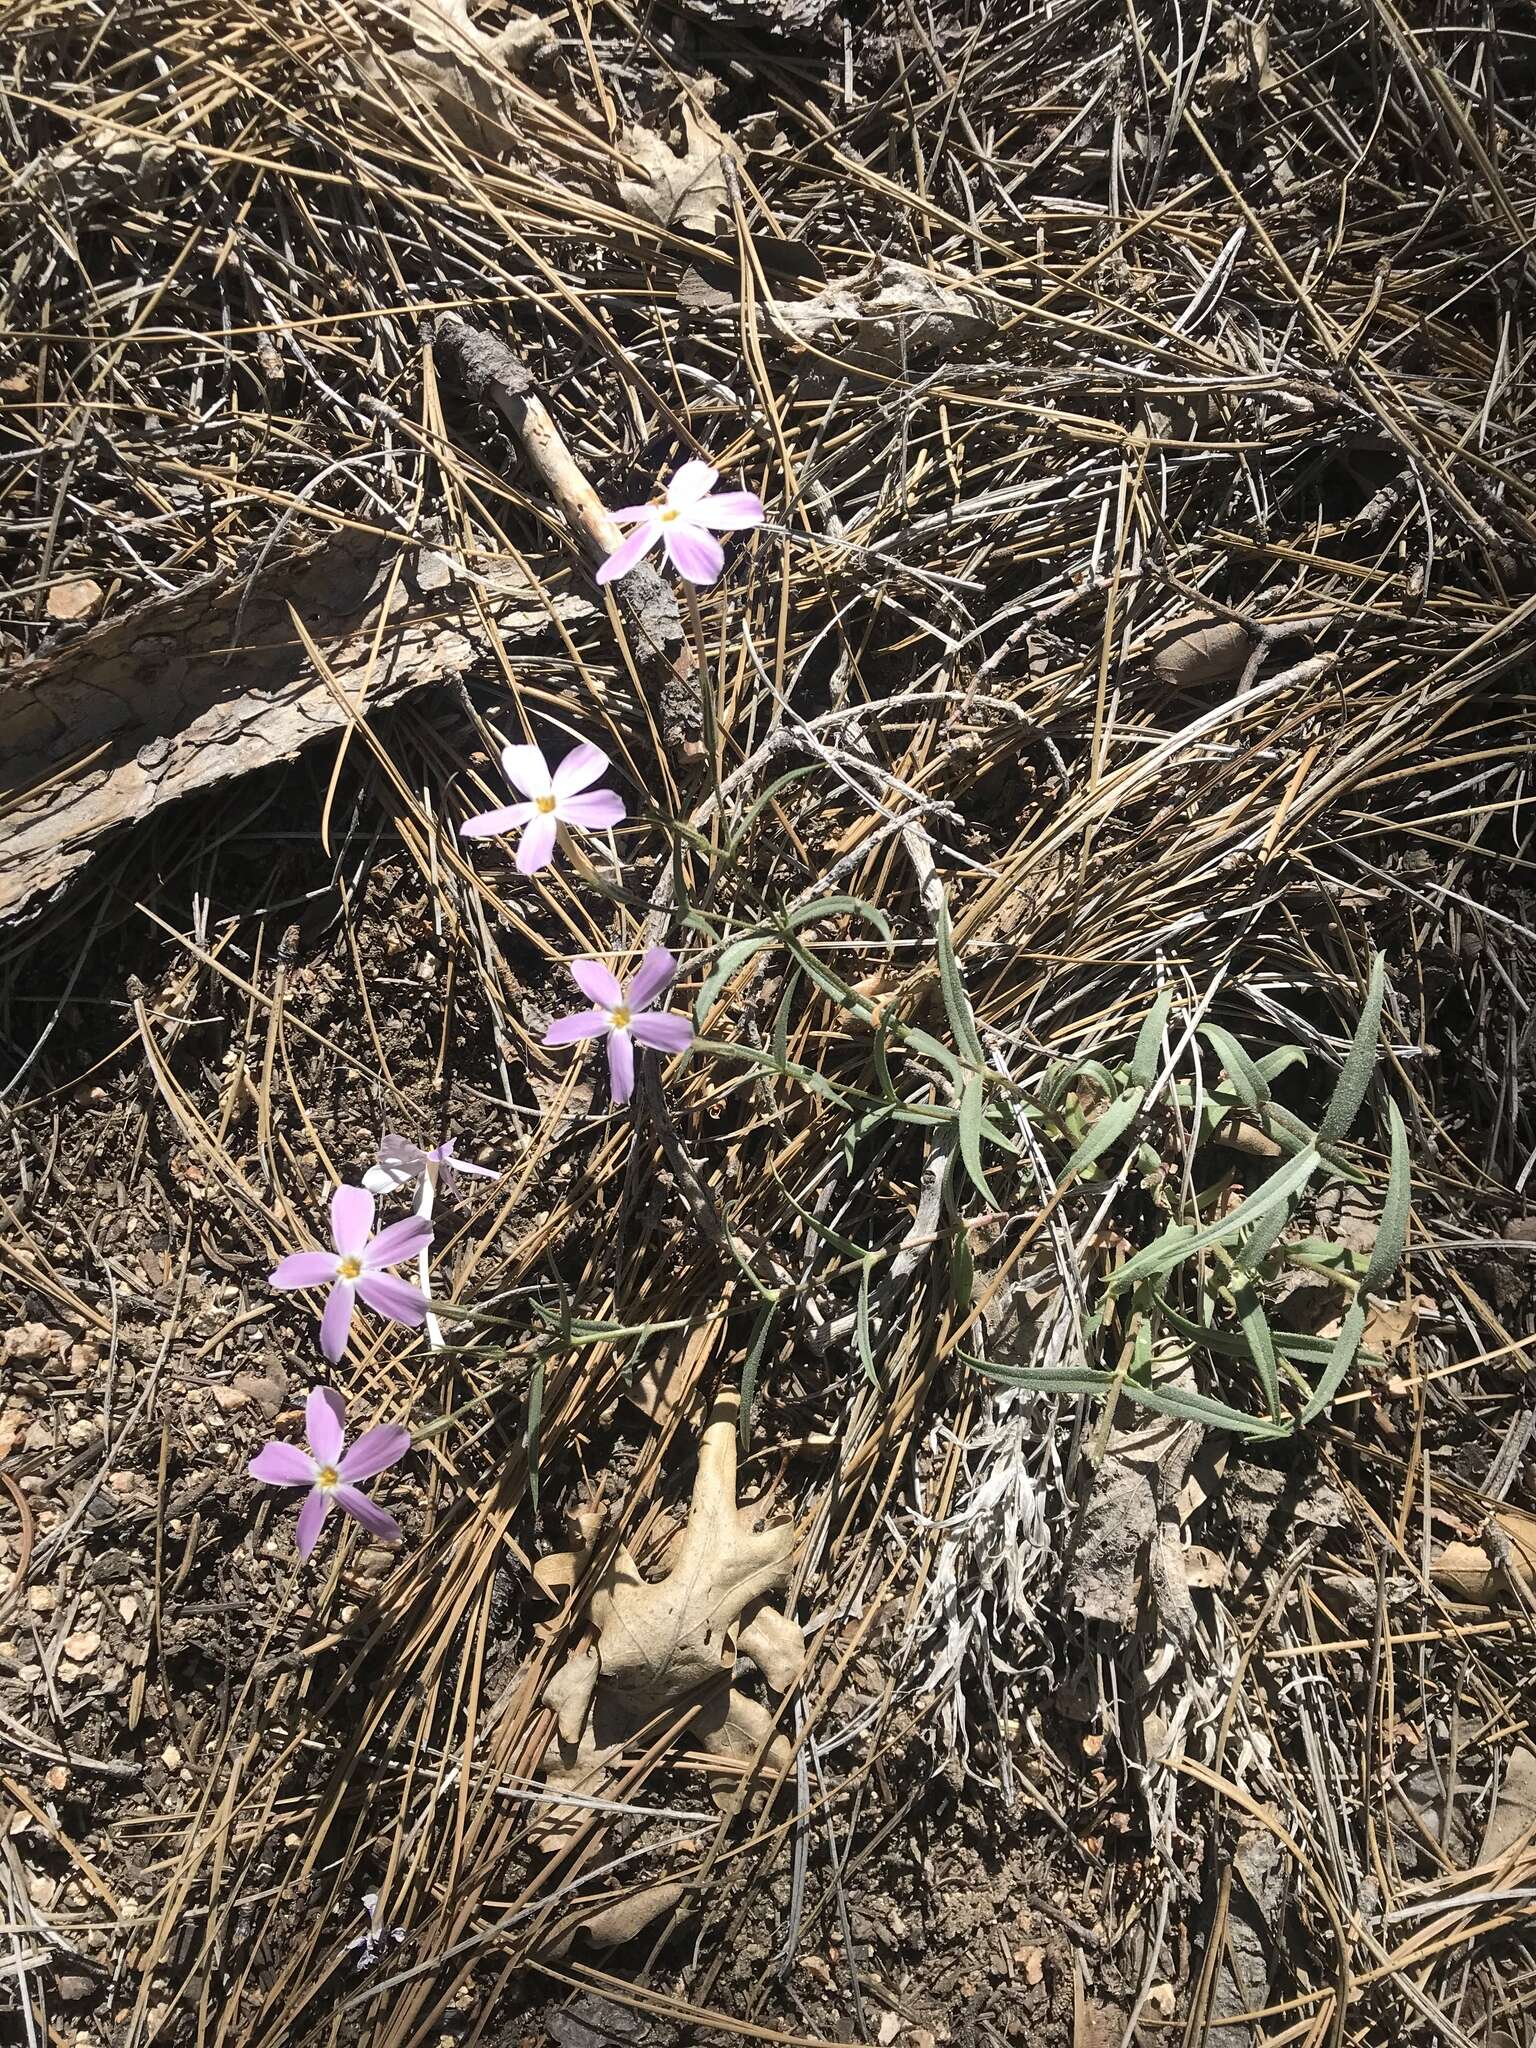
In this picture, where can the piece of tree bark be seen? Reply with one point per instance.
(168, 699)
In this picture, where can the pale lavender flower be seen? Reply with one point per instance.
(330, 1471)
(690, 514)
(402, 1165)
(356, 1267)
(560, 796)
(624, 1016)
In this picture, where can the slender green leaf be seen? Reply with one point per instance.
(756, 1345)
(1113, 1124)
(533, 1426)
(1355, 1077)
(957, 1004)
(1276, 1063)
(1251, 1087)
(1183, 1402)
(840, 906)
(1392, 1231)
(1182, 1242)
(1345, 1346)
(1255, 1326)
(1149, 1042)
(735, 955)
(969, 1116)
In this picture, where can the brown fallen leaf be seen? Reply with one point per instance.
(1190, 651)
(1467, 1572)
(886, 321)
(77, 597)
(686, 191)
(1512, 1823)
(664, 1642)
(459, 70)
(608, 1926)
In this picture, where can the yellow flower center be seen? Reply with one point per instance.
(349, 1268)
(327, 1477)
(619, 1018)
(669, 513)
(544, 803)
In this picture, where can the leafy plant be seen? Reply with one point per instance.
(1206, 1285)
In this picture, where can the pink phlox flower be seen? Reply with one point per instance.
(555, 797)
(624, 1016)
(690, 514)
(402, 1165)
(356, 1267)
(330, 1471)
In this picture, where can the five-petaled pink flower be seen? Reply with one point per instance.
(356, 1268)
(331, 1472)
(686, 521)
(624, 1015)
(562, 797)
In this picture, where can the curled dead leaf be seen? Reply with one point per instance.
(686, 191)
(1190, 651)
(1467, 1571)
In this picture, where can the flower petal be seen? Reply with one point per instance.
(491, 824)
(278, 1464)
(598, 811)
(579, 1025)
(336, 1321)
(325, 1424)
(375, 1451)
(597, 983)
(304, 1269)
(580, 769)
(387, 1296)
(400, 1163)
(527, 770)
(650, 978)
(693, 481)
(537, 843)
(626, 515)
(469, 1166)
(351, 1219)
(376, 1520)
(621, 1065)
(633, 549)
(402, 1240)
(663, 1029)
(311, 1519)
(730, 511)
(694, 553)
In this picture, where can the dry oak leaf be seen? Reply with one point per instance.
(458, 69)
(686, 191)
(663, 1642)
(1467, 1570)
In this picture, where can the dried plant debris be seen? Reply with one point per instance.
(1499, 1569)
(453, 67)
(893, 319)
(663, 1643)
(686, 190)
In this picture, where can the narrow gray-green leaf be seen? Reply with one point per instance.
(1171, 1248)
(972, 1110)
(761, 1330)
(735, 955)
(1345, 1345)
(1262, 1344)
(1392, 1231)
(1149, 1042)
(957, 1004)
(1249, 1084)
(1113, 1124)
(1183, 1402)
(840, 906)
(1355, 1077)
